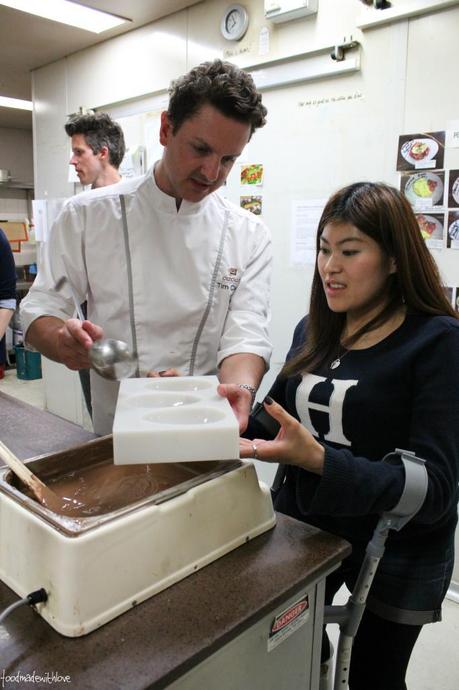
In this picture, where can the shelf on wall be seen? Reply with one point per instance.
(314, 64)
(372, 18)
(16, 185)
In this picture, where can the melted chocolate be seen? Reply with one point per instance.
(104, 488)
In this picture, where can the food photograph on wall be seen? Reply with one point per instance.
(424, 150)
(252, 204)
(453, 230)
(453, 189)
(431, 226)
(252, 174)
(424, 189)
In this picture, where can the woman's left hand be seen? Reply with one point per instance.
(293, 445)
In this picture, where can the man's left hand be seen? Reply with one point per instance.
(240, 400)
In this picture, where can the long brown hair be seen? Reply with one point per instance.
(385, 215)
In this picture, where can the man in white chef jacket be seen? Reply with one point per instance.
(98, 150)
(166, 264)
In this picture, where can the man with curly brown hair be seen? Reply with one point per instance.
(165, 262)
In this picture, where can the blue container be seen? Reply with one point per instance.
(28, 364)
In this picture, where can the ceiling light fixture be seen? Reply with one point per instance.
(67, 12)
(15, 103)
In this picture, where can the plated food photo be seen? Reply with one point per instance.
(252, 174)
(453, 230)
(424, 188)
(453, 197)
(422, 150)
(419, 150)
(252, 204)
(431, 227)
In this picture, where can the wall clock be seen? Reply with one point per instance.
(234, 22)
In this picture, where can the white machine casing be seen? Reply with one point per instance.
(94, 569)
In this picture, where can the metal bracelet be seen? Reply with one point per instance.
(251, 389)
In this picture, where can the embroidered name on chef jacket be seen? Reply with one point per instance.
(230, 280)
(317, 397)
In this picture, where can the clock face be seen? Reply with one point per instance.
(234, 23)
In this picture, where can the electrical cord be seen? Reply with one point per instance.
(36, 597)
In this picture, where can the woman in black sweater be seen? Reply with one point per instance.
(374, 367)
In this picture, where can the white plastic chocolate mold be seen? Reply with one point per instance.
(179, 419)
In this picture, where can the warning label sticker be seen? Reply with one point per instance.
(286, 622)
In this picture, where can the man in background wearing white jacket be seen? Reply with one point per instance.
(164, 262)
(98, 149)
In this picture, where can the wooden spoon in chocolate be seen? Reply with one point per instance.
(42, 493)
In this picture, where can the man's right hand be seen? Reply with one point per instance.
(74, 339)
(66, 342)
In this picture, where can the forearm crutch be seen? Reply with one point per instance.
(348, 617)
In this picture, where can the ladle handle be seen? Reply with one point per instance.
(18, 467)
(76, 303)
(80, 314)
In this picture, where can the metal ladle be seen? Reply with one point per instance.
(112, 359)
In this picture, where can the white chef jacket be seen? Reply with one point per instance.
(183, 288)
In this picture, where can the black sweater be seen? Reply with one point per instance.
(401, 393)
